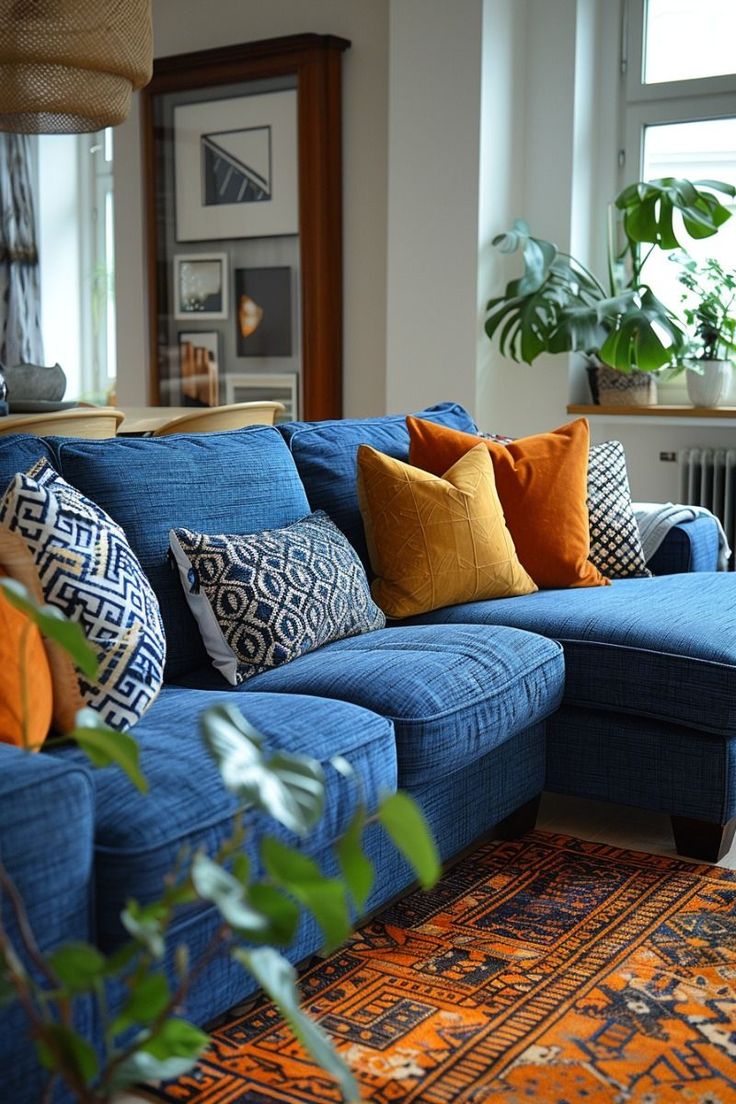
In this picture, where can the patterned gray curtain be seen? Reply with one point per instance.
(20, 291)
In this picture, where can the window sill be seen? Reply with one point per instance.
(714, 417)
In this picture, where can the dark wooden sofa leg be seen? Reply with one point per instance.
(702, 839)
(520, 821)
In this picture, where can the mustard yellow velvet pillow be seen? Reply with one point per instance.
(436, 541)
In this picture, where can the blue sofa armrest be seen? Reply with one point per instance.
(691, 546)
(46, 846)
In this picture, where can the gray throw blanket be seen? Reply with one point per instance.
(655, 519)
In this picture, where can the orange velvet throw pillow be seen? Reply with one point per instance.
(542, 484)
(26, 696)
(435, 541)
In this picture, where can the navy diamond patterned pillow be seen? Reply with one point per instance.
(262, 599)
(80, 562)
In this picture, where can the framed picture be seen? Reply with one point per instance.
(263, 306)
(200, 286)
(257, 386)
(198, 368)
(236, 171)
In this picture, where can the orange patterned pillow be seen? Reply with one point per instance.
(542, 484)
(25, 688)
(436, 541)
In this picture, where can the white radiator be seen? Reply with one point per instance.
(708, 478)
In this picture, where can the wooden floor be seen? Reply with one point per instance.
(615, 824)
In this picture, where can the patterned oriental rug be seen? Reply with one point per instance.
(545, 969)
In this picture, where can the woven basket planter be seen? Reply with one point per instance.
(625, 389)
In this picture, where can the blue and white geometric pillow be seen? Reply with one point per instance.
(262, 599)
(87, 569)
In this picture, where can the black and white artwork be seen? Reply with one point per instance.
(200, 286)
(236, 168)
(263, 299)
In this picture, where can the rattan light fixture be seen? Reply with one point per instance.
(68, 66)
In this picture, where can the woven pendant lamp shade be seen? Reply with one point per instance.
(68, 66)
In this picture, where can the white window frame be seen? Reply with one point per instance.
(685, 101)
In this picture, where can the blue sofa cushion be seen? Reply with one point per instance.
(641, 646)
(326, 456)
(692, 546)
(452, 695)
(18, 453)
(139, 836)
(210, 482)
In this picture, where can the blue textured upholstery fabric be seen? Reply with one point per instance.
(326, 456)
(263, 599)
(211, 482)
(19, 452)
(452, 695)
(46, 829)
(689, 547)
(458, 808)
(138, 836)
(640, 646)
(650, 764)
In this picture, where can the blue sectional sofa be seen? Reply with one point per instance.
(468, 709)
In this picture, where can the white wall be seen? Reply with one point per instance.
(184, 25)
(434, 151)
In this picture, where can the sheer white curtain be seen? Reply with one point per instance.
(20, 296)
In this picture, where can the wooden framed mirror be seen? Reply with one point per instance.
(244, 221)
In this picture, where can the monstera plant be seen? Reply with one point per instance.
(558, 305)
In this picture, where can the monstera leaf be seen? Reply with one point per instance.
(648, 209)
(645, 337)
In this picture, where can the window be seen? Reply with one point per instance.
(76, 256)
(680, 110)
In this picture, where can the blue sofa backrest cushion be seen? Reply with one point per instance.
(326, 456)
(210, 482)
(19, 452)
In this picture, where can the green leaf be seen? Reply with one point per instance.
(78, 966)
(213, 883)
(7, 992)
(147, 999)
(170, 1053)
(282, 913)
(105, 747)
(300, 877)
(59, 1048)
(54, 625)
(286, 787)
(146, 923)
(404, 821)
(277, 978)
(357, 869)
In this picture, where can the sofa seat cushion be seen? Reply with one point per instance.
(326, 456)
(237, 482)
(452, 695)
(138, 837)
(663, 648)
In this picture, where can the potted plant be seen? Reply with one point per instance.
(559, 306)
(709, 309)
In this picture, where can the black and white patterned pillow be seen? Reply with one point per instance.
(615, 543)
(263, 599)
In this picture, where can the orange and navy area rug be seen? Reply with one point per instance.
(545, 969)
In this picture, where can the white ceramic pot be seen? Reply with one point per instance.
(707, 383)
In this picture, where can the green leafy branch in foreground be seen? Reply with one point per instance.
(259, 906)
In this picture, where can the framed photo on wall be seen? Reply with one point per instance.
(236, 170)
(199, 368)
(263, 305)
(200, 286)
